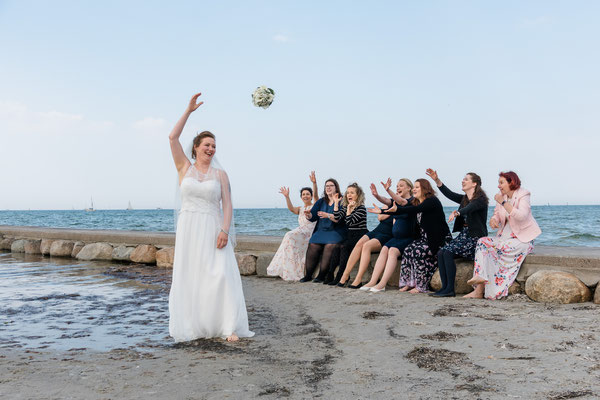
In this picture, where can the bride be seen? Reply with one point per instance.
(206, 298)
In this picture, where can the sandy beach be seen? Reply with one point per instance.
(314, 341)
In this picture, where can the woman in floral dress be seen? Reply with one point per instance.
(288, 262)
(498, 259)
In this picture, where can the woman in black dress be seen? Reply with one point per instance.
(470, 220)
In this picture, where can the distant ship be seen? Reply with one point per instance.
(91, 208)
(129, 206)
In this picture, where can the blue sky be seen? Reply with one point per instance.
(89, 92)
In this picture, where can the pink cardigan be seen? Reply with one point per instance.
(520, 219)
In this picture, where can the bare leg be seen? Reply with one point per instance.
(390, 267)
(365, 259)
(379, 267)
(476, 280)
(477, 293)
(414, 290)
(232, 338)
(354, 257)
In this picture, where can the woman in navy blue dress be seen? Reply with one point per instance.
(328, 234)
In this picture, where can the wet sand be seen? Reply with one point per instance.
(312, 341)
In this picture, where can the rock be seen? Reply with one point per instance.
(597, 294)
(95, 251)
(122, 253)
(464, 272)
(6, 243)
(556, 287)
(262, 263)
(45, 246)
(246, 263)
(61, 248)
(144, 253)
(18, 246)
(77, 248)
(164, 257)
(32, 246)
(515, 288)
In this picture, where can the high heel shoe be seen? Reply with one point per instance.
(375, 290)
(365, 288)
(345, 284)
(356, 287)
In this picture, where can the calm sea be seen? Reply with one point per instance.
(561, 225)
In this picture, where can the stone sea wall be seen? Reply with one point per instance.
(550, 274)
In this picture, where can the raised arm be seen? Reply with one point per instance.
(313, 179)
(382, 200)
(286, 193)
(179, 157)
(427, 205)
(227, 210)
(455, 197)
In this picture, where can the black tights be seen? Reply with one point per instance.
(447, 268)
(322, 252)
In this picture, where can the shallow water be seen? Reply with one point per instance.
(65, 304)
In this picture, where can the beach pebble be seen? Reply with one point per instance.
(61, 248)
(122, 253)
(144, 253)
(77, 248)
(18, 246)
(45, 246)
(164, 257)
(6, 243)
(246, 263)
(32, 246)
(556, 287)
(464, 272)
(95, 251)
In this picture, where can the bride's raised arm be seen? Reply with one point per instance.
(179, 157)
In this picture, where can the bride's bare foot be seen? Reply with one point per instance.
(232, 338)
(414, 290)
(405, 289)
(476, 280)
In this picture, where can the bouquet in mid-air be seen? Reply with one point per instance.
(263, 96)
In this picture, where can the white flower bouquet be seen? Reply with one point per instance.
(263, 96)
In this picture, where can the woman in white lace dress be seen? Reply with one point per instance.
(206, 298)
(288, 262)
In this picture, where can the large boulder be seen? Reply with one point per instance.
(246, 263)
(32, 246)
(45, 246)
(95, 251)
(597, 294)
(464, 272)
(164, 257)
(144, 253)
(263, 260)
(556, 287)
(61, 248)
(122, 253)
(6, 243)
(77, 248)
(18, 246)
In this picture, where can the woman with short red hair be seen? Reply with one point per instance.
(498, 259)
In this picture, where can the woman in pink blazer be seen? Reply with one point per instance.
(498, 259)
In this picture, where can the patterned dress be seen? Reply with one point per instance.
(288, 262)
(498, 260)
(418, 263)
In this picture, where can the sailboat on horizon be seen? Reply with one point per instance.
(129, 206)
(91, 208)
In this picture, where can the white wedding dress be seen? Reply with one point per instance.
(206, 298)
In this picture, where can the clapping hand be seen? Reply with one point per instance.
(193, 106)
(312, 177)
(453, 215)
(499, 197)
(284, 191)
(387, 184)
(336, 197)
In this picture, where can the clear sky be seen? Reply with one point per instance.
(90, 90)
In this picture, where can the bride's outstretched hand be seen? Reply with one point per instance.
(194, 104)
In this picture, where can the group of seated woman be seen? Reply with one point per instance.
(332, 234)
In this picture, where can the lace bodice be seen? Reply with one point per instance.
(201, 192)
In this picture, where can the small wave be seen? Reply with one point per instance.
(581, 236)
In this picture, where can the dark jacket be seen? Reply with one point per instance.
(339, 227)
(433, 221)
(474, 213)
